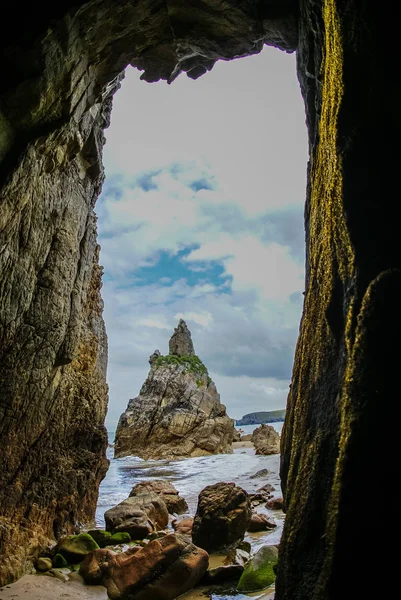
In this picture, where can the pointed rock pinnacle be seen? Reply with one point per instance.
(181, 342)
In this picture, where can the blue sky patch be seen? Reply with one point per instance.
(168, 268)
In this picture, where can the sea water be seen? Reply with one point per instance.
(189, 475)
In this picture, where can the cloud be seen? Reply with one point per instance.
(205, 319)
(201, 218)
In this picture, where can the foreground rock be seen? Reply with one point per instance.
(266, 440)
(222, 516)
(184, 526)
(166, 491)
(260, 522)
(74, 548)
(178, 412)
(162, 570)
(259, 571)
(139, 516)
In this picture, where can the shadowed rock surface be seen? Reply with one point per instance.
(162, 570)
(178, 412)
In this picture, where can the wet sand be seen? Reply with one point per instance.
(242, 445)
(46, 587)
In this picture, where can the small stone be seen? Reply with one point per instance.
(261, 473)
(275, 503)
(44, 564)
(59, 561)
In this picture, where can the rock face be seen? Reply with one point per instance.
(180, 343)
(60, 65)
(222, 517)
(266, 440)
(162, 570)
(139, 516)
(178, 412)
(166, 491)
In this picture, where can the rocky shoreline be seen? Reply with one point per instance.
(217, 574)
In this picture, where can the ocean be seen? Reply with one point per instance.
(191, 475)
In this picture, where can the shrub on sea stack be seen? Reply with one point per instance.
(74, 548)
(259, 571)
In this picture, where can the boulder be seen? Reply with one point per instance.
(100, 536)
(166, 491)
(139, 516)
(74, 548)
(259, 571)
(184, 526)
(222, 516)
(59, 562)
(162, 570)
(260, 522)
(177, 413)
(246, 438)
(275, 503)
(44, 564)
(93, 568)
(266, 440)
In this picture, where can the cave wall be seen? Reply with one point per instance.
(61, 65)
(340, 441)
(60, 68)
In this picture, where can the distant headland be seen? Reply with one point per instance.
(257, 418)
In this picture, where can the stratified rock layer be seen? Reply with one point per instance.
(178, 412)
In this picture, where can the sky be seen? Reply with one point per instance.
(201, 218)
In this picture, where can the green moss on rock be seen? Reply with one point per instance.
(75, 547)
(59, 562)
(100, 536)
(122, 537)
(190, 364)
(259, 571)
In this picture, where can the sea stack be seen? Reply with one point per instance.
(178, 412)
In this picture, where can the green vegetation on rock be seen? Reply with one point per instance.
(59, 562)
(75, 547)
(100, 536)
(190, 364)
(259, 571)
(122, 537)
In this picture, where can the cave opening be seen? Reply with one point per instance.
(201, 218)
(61, 65)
